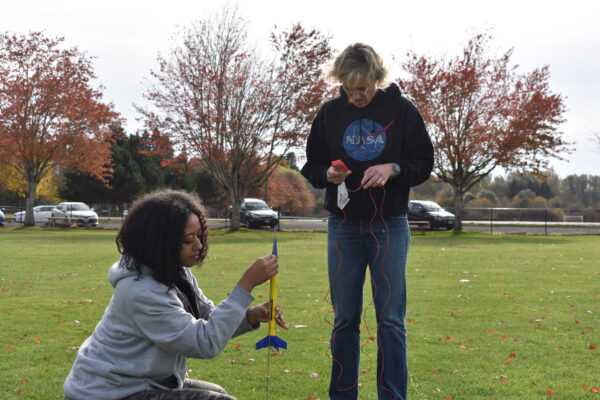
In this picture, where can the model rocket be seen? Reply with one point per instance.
(272, 340)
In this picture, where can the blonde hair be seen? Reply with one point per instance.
(358, 60)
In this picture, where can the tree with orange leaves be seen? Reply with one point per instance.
(288, 191)
(236, 112)
(50, 115)
(481, 114)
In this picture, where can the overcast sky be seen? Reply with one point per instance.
(125, 36)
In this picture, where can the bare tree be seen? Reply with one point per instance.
(231, 108)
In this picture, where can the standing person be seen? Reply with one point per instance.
(380, 137)
(158, 316)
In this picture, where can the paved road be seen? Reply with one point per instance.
(536, 228)
(320, 225)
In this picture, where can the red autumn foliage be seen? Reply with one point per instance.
(50, 114)
(481, 115)
(288, 191)
(161, 145)
(236, 112)
(157, 144)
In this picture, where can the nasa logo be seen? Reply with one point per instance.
(364, 139)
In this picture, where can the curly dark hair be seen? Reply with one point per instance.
(152, 233)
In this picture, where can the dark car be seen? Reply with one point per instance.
(432, 212)
(255, 213)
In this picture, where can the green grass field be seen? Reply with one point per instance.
(489, 317)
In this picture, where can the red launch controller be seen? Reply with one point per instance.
(339, 164)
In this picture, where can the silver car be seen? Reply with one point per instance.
(40, 214)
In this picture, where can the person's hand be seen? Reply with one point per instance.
(260, 313)
(259, 272)
(377, 175)
(337, 175)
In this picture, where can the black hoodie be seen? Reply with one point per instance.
(389, 129)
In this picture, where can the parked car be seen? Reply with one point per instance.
(424, 210)
(40, 214)
(255, 213)
(1, 216)
(84, 215)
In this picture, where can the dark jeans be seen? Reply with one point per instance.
(192, 390)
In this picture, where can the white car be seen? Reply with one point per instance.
(1, 216)
(40, 214)
(78, 211)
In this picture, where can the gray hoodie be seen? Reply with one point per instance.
(145, 336)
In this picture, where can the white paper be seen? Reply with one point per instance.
(342, 195)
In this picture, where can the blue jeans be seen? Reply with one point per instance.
(383, 246)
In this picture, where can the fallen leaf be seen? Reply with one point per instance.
(549, 392)
(238, 346)
(513, 354)
(592, 347)
(23, 380)
(594, 389)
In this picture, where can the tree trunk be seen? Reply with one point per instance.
(31, 189)
(458, 211)
(266, 199)
(235, 214)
